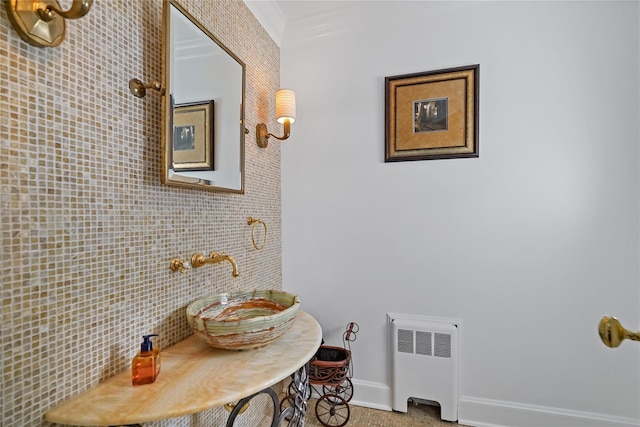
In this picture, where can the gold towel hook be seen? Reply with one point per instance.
(41, 23)
(254, 222)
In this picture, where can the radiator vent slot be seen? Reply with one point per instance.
(426, 343)
(423, 343)
(442, 347)
(405, 341)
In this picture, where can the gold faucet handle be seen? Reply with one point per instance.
(198, 260)
(179, 265)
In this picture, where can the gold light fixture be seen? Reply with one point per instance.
(41, 22)
(285, 114)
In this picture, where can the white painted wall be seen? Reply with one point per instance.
(530, 244)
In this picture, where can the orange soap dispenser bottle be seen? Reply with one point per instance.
(145, 366)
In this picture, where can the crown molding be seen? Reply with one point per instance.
(269, 16)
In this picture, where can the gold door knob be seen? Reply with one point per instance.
(613, 333)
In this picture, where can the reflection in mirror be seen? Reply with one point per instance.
(203, 136)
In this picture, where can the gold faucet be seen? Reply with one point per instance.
(198, 260)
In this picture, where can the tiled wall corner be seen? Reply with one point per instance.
(88, 230)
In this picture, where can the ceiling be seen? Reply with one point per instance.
(274, 15)
(294, 9)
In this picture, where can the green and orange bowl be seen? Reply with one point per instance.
(243, 320)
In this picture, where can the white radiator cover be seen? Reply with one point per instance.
(424, 361)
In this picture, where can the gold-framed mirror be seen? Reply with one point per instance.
(203, 107)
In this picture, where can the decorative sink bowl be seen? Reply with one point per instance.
(243, 320)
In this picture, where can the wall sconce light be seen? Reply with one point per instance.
(285, 114)
(41, 22)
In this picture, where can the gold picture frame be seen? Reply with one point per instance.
(432, 115)
(192, 146)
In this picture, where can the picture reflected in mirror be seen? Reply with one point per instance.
(184, 138)
(193, 137)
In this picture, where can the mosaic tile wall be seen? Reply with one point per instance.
(88, 230)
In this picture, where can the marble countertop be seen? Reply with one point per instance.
(194, 377)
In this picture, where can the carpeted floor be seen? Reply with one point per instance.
(417, 416)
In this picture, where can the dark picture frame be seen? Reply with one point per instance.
(192, 145)
(432, 115)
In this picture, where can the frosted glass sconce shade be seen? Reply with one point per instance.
(285, 106)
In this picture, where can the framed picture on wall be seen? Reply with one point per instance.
(193, 136)
(432, 115)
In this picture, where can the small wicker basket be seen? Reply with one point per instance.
(330, 366)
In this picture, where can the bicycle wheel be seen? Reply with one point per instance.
(332, 410)
(344, 390)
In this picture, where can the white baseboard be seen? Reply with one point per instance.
(371, 395)
(480, 412)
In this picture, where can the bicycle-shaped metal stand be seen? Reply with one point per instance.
(330, 368)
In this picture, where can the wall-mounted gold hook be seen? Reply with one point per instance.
(41, 23)
(139, 89)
